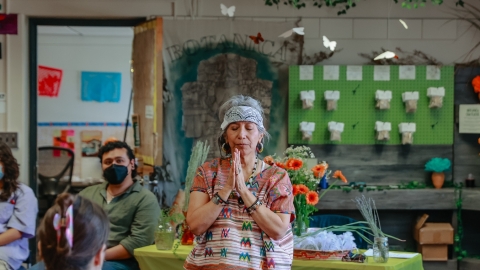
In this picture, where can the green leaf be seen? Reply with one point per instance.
(404, 4)
(415, 5)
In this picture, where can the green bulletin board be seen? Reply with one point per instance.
(356, 106)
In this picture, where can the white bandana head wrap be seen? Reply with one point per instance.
(242, 113)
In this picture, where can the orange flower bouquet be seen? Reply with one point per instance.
(304, 182)
(476, 85)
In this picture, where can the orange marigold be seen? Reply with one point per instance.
(319, 170)
(294, 164)
(295, 190)
(339, 175)
(302, 189)
(280, 164)
(312, 197)
(269, 160)
(476, 84)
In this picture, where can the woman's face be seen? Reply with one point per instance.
(243, 136)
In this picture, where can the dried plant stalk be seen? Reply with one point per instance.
(197, 158)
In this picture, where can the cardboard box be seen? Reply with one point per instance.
(433, 239)
(433, 252)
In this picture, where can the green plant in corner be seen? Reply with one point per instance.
(459, 251)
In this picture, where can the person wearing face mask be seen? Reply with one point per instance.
(133, 211)
(18, 212)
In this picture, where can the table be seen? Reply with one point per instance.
(150, 258)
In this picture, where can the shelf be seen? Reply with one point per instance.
(402, 199)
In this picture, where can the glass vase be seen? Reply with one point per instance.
(300, 227)
(164, 237)
(380, 249)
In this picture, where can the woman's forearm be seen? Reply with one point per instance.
(268, 221)
(9, 236)
(201, 218)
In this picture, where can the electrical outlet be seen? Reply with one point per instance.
(9, 138)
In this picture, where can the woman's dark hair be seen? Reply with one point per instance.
(118, 145)
(90, 233)
(10, 172)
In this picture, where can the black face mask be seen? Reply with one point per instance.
(115, 174)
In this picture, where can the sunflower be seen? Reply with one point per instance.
(269, 160)
(302, 189)
(339, 175)
(319, 170)
(312, 197)
(294, 164)
(295, 190)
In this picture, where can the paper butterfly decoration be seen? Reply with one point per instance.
(257, 39)
(403, 23)
(296, 30)
(329, 44)
(67, 222)
(386, 55)
(227, 11)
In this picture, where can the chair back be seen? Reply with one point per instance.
(55, 169)
(322, 221)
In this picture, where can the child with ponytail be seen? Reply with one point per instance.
(73, 235)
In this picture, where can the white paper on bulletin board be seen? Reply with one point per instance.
(469, 118)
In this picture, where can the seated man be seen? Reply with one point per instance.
(132, 210)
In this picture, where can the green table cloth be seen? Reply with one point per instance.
(150, 258)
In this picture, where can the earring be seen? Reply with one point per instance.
(223, 148)
(260, 147)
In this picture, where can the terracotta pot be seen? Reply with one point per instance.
(438, 178)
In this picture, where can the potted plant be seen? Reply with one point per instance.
(438, 167)
(165, 233)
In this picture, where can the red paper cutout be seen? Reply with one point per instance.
(65, 140)
(8, 24)
(49, 80)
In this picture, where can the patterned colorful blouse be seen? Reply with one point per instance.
(235, 241)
